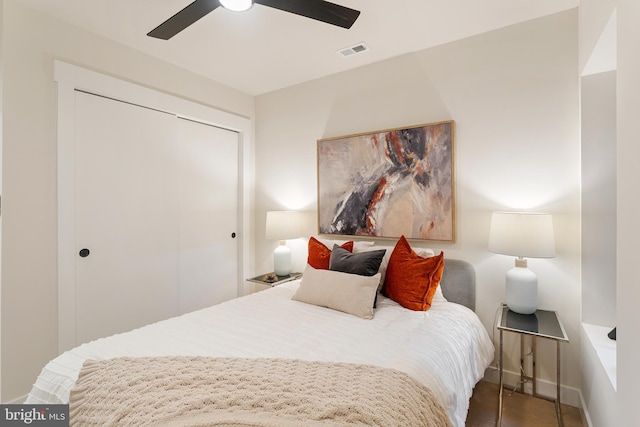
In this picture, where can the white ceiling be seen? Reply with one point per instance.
(265, 49)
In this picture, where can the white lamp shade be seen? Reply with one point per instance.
(237, 5)
(283, 225)
(522, 234)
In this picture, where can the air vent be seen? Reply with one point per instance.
(352, 50)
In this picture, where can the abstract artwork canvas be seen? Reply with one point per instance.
(388, 183)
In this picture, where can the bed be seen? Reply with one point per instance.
(442, 352)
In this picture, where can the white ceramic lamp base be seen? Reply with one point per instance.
(522, 289)
(282, 259)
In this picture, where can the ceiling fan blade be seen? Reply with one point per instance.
(319, 10)
(183, 19)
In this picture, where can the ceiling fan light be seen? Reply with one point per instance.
(237, 5)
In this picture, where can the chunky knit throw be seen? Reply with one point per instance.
(203, 391)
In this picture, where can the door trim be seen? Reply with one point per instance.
(70, 78)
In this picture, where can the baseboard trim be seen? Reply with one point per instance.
(586, 419)
(568, 395)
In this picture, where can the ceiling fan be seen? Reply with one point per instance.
(319, 10)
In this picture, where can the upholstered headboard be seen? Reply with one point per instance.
(459, 282)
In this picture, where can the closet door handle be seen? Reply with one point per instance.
(84, 252)
(233, 235)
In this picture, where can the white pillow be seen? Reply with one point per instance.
(349, 293)
(439, 296)
(423, 252)
(358, 245)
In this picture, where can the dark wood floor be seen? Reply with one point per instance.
(519, 410)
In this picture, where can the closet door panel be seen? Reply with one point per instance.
(126, 213)
(208, 198)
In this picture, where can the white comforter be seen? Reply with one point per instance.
(446, 348)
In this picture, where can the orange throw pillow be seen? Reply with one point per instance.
(319, 254)
(411, 280)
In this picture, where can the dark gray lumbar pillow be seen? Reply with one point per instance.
(361, 263)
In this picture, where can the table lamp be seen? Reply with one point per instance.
(283, 225)
(524, 235)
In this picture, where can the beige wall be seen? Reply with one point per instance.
(593, 16)
(513, 94)
(598, 231)
(628, 291)
(31, 42)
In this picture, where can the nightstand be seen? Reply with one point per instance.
(541, 324)
(271, 280)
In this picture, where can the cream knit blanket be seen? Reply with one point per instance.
(203, 391)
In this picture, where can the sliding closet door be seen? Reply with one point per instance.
(208, 197)
(126, 259)
(156, 212)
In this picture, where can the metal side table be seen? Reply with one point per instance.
(541, 324)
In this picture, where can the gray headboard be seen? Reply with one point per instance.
(459, 282)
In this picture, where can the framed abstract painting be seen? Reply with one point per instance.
(389, 183)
